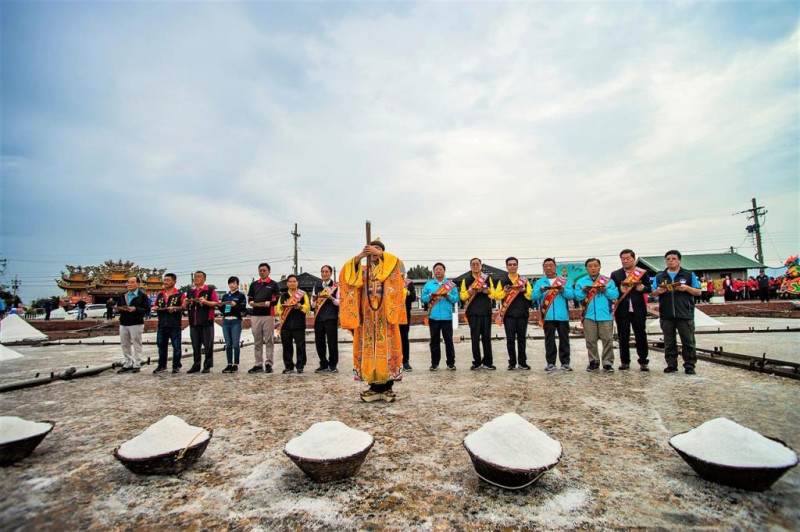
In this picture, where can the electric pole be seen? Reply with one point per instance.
(755, 213)
(15, 284)
(296, 235)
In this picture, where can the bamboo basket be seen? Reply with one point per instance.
(329, 470)
(506, 477)
(746, 478)
(170, 463)
(14, 451)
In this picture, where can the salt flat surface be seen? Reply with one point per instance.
(511, 441)
(725, 442)
(167, 435)
(13, 428)
(328, 440)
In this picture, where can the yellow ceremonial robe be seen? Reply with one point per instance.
(377, 351)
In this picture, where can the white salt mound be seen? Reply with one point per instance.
(511, 441)
(14, 428)
(328, 440)
(170, 434)
(725, 442)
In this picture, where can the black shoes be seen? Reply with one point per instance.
(644, 367)
(691, 371)
(228, 369)
(257, 369)
(434, 368)
(451, 367)
(333, 370)
(608, 369)
(475, 367)
(135, 370)
(512, 367)
(287, 371)
(299, 370)
(267, 369)
(159, 369)
(206, 370)
(176, 370)
(624, 367)
(321, 369)
(490, 367)
(407, 367)
(123, 369)
(670, 369)
(525, 367)
(593, 366)
(194, 369)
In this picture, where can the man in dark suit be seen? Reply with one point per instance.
(631, 309)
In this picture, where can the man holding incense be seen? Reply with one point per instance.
(441, 294)
(630, 310)
(475, 290)
(372, 307)
(553, 294)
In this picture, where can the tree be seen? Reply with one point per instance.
(9, 298)
(419, 272)
(39, 303)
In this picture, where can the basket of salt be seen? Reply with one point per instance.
(511, 453)
(725, 452)
(166, 447)
(329, 451)
(19, 437)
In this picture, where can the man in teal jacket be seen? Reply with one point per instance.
(440, 294)
(597, 294)
(553, 294)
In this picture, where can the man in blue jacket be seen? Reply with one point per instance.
(440, 294)
(552, 293)
(676, 291)
(597, 293)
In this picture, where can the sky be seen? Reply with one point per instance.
(194, 135)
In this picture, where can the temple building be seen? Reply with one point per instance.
(98, 284)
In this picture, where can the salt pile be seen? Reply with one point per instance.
(512, 442)
(328, 440)
(725, 442)
(165, 436)
(14, 428)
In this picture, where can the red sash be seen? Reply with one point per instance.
(298, 296)
(552, 293)
(601, 281)
(477, 284)
(631, 280)
(333, 288)
(436, 296)
(521, 282)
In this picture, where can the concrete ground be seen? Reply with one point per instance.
(617, 470)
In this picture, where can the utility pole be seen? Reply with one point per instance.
(296, 235)
(755, 213)
(15, 284)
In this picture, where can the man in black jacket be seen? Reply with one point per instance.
(411, 296)
(132, 306)
(676, 291)
(475, 290)
(325, 300)
(631, 309)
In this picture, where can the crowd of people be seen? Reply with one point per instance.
(373, 299)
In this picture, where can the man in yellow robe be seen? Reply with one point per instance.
(372, 310)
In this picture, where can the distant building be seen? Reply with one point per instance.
(98, 284)
(708, 265)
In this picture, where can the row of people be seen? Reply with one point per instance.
(365, 295)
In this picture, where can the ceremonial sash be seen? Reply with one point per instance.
(436, 296)
(520, 285)
(631, 280)
(601, 281)
(298, 296)
(552, 293)
(333, 287)
(477, 284)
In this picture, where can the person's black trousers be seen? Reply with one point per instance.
(326, 332)
(404, 342)
(480, 330)
(685, 329)
(298, 336)
(624, 323)
(438, 329)
(516, 329)
(202, 336)
(550, 329)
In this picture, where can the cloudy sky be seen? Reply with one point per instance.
(193, 135)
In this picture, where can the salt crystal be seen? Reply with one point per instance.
(165, 436)
(329, 440)
(725, 442)
(14, 428)
(511, 441)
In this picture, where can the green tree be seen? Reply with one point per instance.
(419, 272)
(8, 298)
